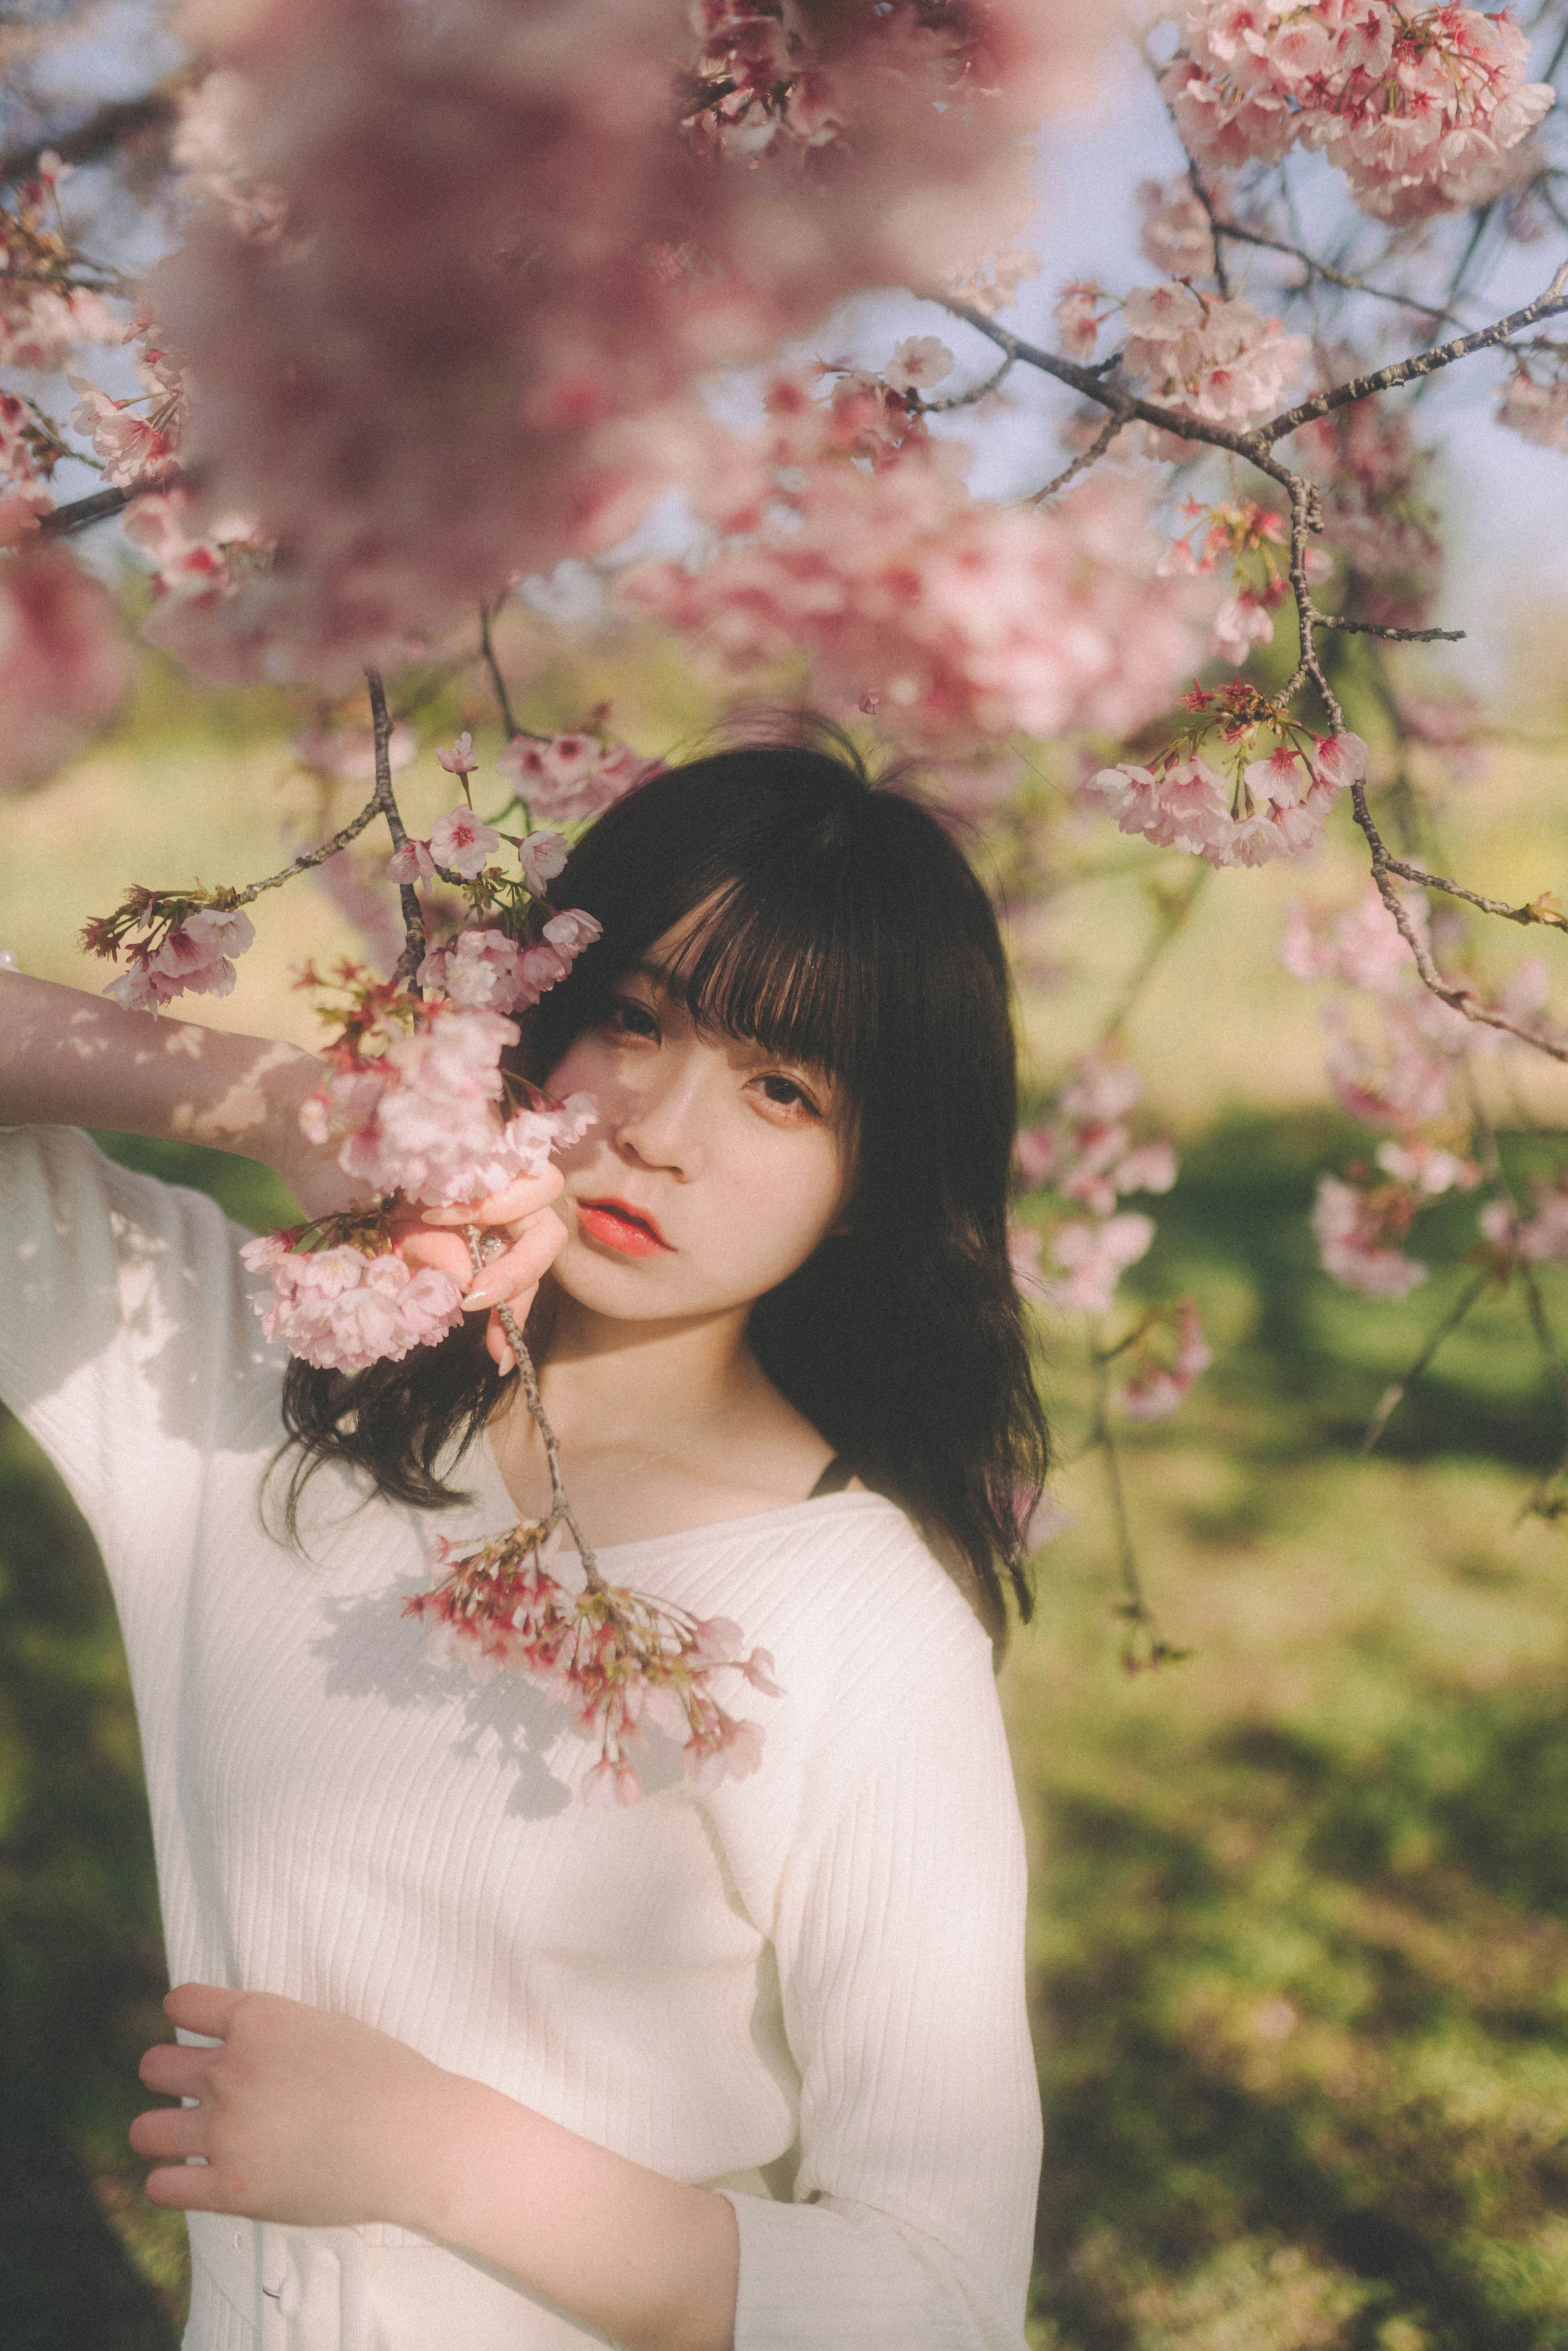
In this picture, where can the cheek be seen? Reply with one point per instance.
(780, 1200)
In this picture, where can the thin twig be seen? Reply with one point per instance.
(480, 1250)
(317, 856)
(385, 800)
(1454, 993)
(1392, 1396)
(1081, 462)
(1421, 363)
(1326, 269)
(1221, 273)
(1174, 916)
(1395, 636)
(496, 679)
(967, 399)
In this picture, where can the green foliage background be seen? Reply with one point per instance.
(1300, 1911)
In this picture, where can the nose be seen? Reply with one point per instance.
(662, 1121)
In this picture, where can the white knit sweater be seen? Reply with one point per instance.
(805, 1988)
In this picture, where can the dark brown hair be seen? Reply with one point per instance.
(841, 926)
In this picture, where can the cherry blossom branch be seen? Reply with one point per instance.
(1421, 363)
(1393, 1397)
(488, 648)
(99, 506)
(121, 118)
(967, 399)
(317, 856)
(1454, 993)
(385, 800)
(1081, 462)
(1324, 269)
(1395, 636)
(480, 1251)
(1144, 1645)
(1221, 275)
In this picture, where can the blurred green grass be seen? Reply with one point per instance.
(1299, 1938)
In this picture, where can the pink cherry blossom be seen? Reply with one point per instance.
(411, 862)
(1536, 408)
(1174, 234)
(343, 1309)
(1219, 362)
(1356, 1230)
(65, 667)
(917, 363)
(460, 759)
(571, 777)
(967, 621)
(1243, 622)
(1160, 1381)
(542, 856)
(1094, 1257)
(461, 844)
(480, 967)
(1419, 108)
(1077, 317)
(572, 930)
(1542, 1236)
(583, 228)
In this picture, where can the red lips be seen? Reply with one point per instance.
(618, 1226)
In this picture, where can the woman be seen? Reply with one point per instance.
(473, 2063)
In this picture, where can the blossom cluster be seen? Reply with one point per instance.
(412, 1096)
(45, 313)
(1274, 807)
(448, 279)
(1252, 539)
(625, 1664)
(186, 946)
(1396, 1071)
(65, 667)
(1422, 109)
(343, 1308)
(1535, 401)
(1084, 1158)
(846, 529)
(1218, 362)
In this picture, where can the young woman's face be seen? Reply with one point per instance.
(715, 1170)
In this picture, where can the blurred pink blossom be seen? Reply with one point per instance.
(343, 1310)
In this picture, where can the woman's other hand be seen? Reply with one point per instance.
(524, 1216)
(313, 2120)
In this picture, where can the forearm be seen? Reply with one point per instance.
(647, 2260)
(68, 1059)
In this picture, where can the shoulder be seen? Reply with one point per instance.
(870, 1636)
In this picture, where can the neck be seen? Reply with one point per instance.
(627, 1382)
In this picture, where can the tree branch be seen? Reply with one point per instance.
(99, 506)
(1422, 364)
(317, 856)
(1453, 993)
(385, 800)
(487, 648)
(111, 126)
(1324, 269)
(967, 399)
(1081, 462)
(1395, 636)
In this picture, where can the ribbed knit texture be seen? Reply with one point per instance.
(815, 1973)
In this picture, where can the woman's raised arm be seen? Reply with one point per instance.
(68, 1059)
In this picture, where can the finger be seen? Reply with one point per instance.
(193, 2187)
(169, 2133)
(499, 1344)
(447, 1252)
(519, 1268)
(524, 1197)
(175, 2072)
(201, 2007)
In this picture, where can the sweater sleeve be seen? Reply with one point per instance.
(128, 1344)
(901, 1957)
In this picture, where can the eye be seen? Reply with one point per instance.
(624, 1017)
(787, 1094)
